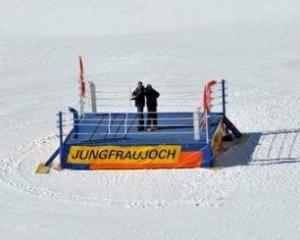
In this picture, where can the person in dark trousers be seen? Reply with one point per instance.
(151, 98)
(138, 96)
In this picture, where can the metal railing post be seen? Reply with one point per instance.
(224, 102)
(75, 121)
(81, 105)
(109, 122)
(223, 97)
(196, 125)
(60, 126)
(125, 123)
(207, 127)
(93, 97)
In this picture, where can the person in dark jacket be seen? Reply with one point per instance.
(138, 96)
(151, 98)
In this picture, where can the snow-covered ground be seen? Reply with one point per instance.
(253, 193)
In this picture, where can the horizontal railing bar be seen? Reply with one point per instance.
(101, 124)
(145, 112)
(216, 104)
(160, 91)
(131, 119)
(161, 104)
(130, 125)
(133, 133)
(216, 97)
(159, 99)
(179, 98)
(126, 105)
(216, 90)
(95, 114)
(112, 92)
(185, 99)
(111, 98)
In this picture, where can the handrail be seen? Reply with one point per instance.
(129, 119)
(196, 122)
(173, 94)
(161, 90)
(134, 133)
(112, 124)
(160, 99)
(129, 106)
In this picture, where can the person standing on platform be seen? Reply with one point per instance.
(151, 98)
(139, 96)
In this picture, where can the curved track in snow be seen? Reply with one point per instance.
(154, 188)
(140, 188)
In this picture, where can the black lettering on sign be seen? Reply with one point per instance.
(124, 154)
(76, 155)
(119, 155)
(127, 156)
(103, 154)
(144, 155)
(136, 155)
(153, 154)
(171, 153)
(111, 153)
(162, 154)
(83, 155)
(93, 154)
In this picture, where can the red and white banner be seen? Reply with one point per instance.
(81, 78)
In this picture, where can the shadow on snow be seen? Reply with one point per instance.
(263, 148)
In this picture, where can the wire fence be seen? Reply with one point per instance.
(175, 98)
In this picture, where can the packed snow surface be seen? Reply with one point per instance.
(252, 193)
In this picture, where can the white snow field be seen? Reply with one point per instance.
(252, 193)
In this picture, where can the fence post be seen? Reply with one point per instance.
(93, 97)
(109, 122)
(125, 123)
(75, 121)
(224, 103)
(81, 105)
(60, 126)
(196, 124)
(207, 127)
(223, 97)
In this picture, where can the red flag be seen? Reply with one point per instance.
(81, 78)
(207, 95)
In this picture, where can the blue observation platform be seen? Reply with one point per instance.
(112, 140)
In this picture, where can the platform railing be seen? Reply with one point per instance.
(100, 100)
(213, 92)
(218, 96)
(215, 95)
(196, 123)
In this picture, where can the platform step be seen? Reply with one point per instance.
(42, 169)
